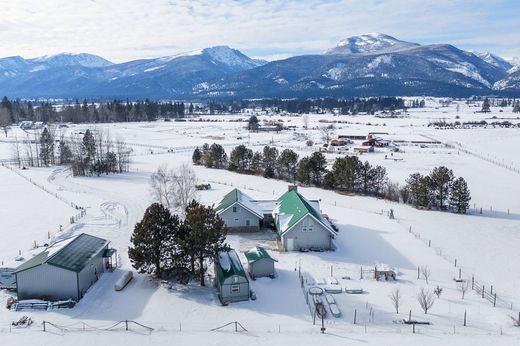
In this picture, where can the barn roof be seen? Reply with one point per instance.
(74, 256)
(257, 253)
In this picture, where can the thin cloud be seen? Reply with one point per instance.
(121, 30)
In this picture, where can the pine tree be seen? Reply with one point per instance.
(419, 188)
(486, 107)
(65, 153)
(47, 147)
(440, 181)
(218, 156)
(205, 237)
(240, 159)
(318, 167)
(287, 165)
(516, 107)
(256, 163)
(154, 248)
(89, 148)
(303, 173)
(459, 196)
(252, 124)
(197, 156)
(270, 156)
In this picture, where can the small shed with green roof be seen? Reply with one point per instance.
(65, 270)
(230, 278)
(300, 224)
(260, 263)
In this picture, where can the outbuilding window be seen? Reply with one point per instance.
(235, 288)
(248, 223)
(234, 209)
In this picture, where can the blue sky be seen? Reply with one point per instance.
(122, 30)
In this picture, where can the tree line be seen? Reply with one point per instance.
(91, 154)
(438, 190)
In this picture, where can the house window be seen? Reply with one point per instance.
(248, 223)
(235, 288)
(307, 226)
(234, 209)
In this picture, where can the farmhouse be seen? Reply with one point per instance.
(259, 263)
(231, 279)
(65, 270)
(298, 221)
(300, 224)
(238, 213)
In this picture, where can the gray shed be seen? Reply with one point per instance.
(65, 270)
(260, 263)
(231, 279)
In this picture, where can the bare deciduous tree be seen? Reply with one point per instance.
(395, 296)
(326, 132)
(161, 186)
(16, 150)
(425, 299)
(426, 273)
(5, 119)
(463, 287)
(185, 190)
(174, 189)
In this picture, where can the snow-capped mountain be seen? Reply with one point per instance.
(68, 59)
(494, 60)
(370, 44)
(365, 65)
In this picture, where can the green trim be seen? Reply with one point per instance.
(228, 200)
(235, 269)
(257, 254)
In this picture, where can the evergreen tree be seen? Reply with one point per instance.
(240, 159)
(516, 107)
(256, 163)
(154, 248)
(47, 147)
(89, 148)
(197, 156)
(419, 188)
(252, 124)
(270, 156)
(205, 236)
(486, 107)
(459, 196)
(346, 173)
(287, 165)
(65, 153)
(303, 173)
(318, 167)
(218, 156)
(440, 181)
(379, 180)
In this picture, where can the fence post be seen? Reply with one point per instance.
(464, 318)
(44, 325)
(495, 300)
(355, 315)
(491, 292)
(418, 273)
(126, 324)
(455, 262)
(236, 327)
(473, 282)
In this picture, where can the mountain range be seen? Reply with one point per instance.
(365, 65)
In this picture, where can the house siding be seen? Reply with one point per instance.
(91, 273)
(261, 268)
(236, 221)
(319, 237)
(47, 282)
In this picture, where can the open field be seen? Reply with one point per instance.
(484, 245)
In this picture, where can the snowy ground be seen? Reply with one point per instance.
(483, 244)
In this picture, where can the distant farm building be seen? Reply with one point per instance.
(364, 149)
(353, 137)
(230, 278)
(65, 270)
(298, 221)
(260, 263)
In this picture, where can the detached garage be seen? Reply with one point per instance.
(260, 263)
(65, 270)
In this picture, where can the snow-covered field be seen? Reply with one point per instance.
(484, 245)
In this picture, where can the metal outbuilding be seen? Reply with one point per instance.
(260, 263)
(231, 279)
(65, 270)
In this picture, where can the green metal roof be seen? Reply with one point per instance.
(74, 256)
(228, 200)
(292, 207)
(256, 254)
(228, 266)
(33, 262)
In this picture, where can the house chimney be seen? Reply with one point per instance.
(293, 187)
